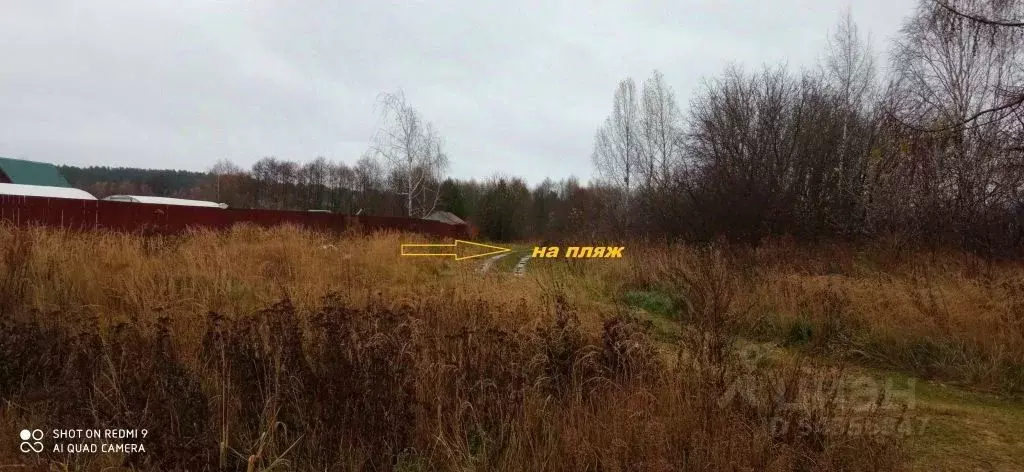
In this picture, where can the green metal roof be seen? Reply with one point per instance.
(32, 173)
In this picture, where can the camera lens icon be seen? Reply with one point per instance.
(30, 440)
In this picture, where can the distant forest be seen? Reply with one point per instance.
(104, 181)
(504, 208)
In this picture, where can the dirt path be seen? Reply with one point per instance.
(520, 268)
(486, 266)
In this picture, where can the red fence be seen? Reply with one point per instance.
(170, 219)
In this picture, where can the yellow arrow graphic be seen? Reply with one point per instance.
(452, 250)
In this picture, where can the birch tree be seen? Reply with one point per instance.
(957, 84)
(661, 132)
(413, 152)
(617, 144)
(849, 65)
(851, 76)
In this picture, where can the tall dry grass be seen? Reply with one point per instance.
(281, 349)
(945, 315)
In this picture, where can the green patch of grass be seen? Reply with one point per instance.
(801, 332)
(653, 302)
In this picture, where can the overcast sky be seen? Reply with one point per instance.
(517, 88)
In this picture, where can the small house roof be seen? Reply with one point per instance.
(23, 172)
(164, 201)
(44, 191)
(445, 217)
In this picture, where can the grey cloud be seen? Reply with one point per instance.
(515, 87)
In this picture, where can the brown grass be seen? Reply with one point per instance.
(950, 316)
(282, 349)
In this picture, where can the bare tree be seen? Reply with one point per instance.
(368, 174)
(617, 145)
(288, 180)
(958, 80)
(316, 175)
(222, 172)
(341, 180)
(413, 151)
(743, 139)
(1000, 6)
(997, 18)
(969, 59)
(849, 65)
(850, 75)
(369, 181)
(660, 132)
(261, 175)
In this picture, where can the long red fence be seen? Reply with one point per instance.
(171, 219)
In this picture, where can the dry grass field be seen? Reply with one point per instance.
(949, 316)
(280, 349)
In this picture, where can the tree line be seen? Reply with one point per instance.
(930, 151)
(504, 208)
